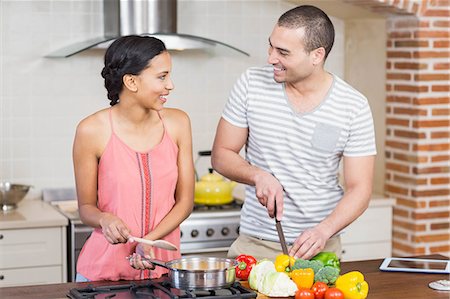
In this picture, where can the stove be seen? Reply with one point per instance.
(160, 288)
(210, 230)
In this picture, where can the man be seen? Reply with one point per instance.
(297, 121)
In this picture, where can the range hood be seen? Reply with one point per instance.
(156, 18)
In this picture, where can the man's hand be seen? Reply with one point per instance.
(308, 244)
(114, 229)
(269, 191)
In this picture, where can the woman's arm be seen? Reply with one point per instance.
(87, 148)
(179, 128)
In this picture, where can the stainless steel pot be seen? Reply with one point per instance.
(200, 273)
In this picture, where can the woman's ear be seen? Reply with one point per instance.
(129, 81)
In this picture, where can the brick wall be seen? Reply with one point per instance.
(417, 122)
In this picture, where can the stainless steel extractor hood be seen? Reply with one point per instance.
(156, 18)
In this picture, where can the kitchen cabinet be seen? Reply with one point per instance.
(32, 245)
(370, 236)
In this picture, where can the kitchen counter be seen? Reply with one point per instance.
(382, 285)
(32, 213)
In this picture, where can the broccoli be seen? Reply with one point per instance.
(327, 274)
(303, 264)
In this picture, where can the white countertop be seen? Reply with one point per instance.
(32, 213)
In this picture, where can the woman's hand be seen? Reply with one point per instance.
(142, 251)
(114, 229)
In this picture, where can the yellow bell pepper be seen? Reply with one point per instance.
(284, 263)
(353, 286)
(303, 278)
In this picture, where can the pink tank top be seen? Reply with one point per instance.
(140, 189)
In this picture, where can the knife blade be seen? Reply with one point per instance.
(280, 232)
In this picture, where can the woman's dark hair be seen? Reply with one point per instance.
(128, 55)
(319, 30)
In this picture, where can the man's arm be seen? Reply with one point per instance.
(358, 177)
(226, 160)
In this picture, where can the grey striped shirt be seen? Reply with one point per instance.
(302, 151)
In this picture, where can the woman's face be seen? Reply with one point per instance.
(154, 82)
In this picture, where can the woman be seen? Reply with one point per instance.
(133, 165)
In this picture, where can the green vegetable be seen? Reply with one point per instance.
(328, 259)
(327, 274)
(258, 272)
(277, 284)
(316, 265)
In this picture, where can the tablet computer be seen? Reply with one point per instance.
(399, 264)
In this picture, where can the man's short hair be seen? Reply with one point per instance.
(319, 30)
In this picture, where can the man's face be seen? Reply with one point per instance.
(288, 56)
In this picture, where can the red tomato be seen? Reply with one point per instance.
(319, 288)
(304, 293)
(334, 293)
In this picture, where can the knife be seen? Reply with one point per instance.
(280, 231)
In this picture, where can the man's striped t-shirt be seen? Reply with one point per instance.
(302, 151)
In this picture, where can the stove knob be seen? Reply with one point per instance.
(194, 233)
(210, 232)
(225, 231)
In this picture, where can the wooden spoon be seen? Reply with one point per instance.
(156, 243)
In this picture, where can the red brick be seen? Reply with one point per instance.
(441, 23)
(437, 13)
(431, 54)
(441, 44)
(408, 249)
(431, 101)
(431, 123)
(409, 111)
(397, 167)
(442, 111)
(396, 189)
(442, 134)
(440, 158)
(443, 3)
(397, 144)
(431, 77)
(409, 225)
(441, 66)
(400, 34)
(397, 76)
(431, 34)
(400, 235)
(430, 238)
(439, 226)
(430, 215)
(411, 88)
(431, 147)
(440, 88)
(440, 203)
(399, 54)
(431, 193)
(398, 99)
(415, 204)
(409, 134)
(428, 170)
(388, 87)
(440, 181)
(410, 158)
(441, 249)
(401, 213)
(410, 66)
(397, 122)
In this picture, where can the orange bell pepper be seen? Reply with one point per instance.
(303, 278)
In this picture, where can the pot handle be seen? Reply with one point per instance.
(156, 262)
(153, 261)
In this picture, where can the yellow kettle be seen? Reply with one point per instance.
(212, 189)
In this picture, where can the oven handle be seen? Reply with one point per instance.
(205, 250)
(83, 229)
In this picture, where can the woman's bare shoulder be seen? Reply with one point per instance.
(175, 117)
(94, 124)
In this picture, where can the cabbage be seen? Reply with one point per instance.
(277, 284)
(258, 272)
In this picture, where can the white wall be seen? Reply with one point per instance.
(42, 100)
